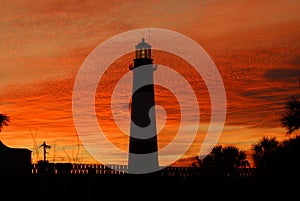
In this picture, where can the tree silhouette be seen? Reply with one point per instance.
(264, 151)
(225, 159)
(234, 158)
(274, 158)
(4, 119)
(288, 157)
(291, 118)
(214, 159)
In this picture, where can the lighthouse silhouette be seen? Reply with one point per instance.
(143, 147)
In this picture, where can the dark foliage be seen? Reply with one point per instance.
(291, 118)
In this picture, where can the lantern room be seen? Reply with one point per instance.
(142, 55)
(143, 50)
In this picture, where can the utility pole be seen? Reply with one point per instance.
(45, 146)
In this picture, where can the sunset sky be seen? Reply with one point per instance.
(255, 44)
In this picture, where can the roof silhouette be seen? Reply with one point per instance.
(4, 147)
(143, 45)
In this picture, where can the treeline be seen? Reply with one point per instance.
(277, 158)
(271, 157)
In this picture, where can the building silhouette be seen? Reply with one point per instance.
(143, 147)
(14, 161)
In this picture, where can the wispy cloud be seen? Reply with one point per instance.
(254, 44)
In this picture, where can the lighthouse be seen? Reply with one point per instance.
(143, 147)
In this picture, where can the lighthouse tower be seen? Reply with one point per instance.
(143, 147)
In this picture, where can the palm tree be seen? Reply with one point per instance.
(291, 119)
(214, 159)
(264, 151)
(225, 159)
(234, 158)
(288, 157)
(3, 121)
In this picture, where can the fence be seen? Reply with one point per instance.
(100, 169)
(198, 171)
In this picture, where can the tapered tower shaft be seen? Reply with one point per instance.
(143, 146)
